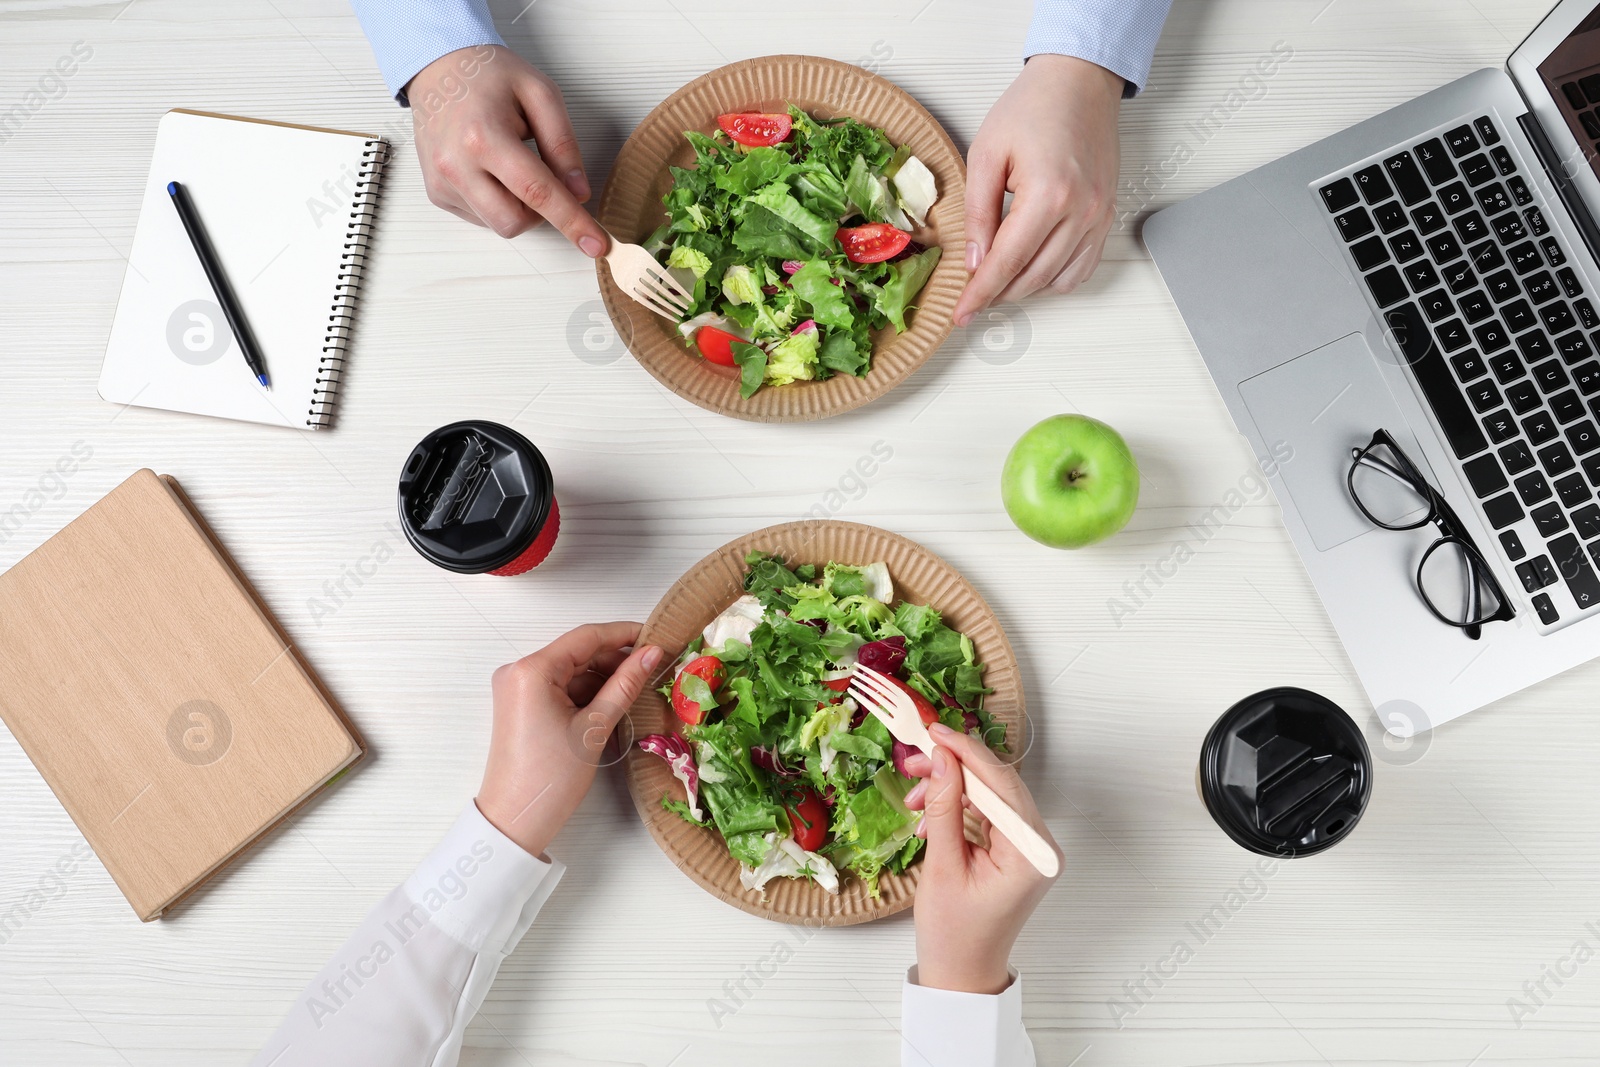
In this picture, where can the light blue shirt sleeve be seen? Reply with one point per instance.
(407, 36)
(1119, 35)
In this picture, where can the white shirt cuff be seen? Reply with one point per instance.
(943, 1028)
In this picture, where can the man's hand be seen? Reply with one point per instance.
(971, 901)
(553, 712)
(1051, 140)
(473, 109)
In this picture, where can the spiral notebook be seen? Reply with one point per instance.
(290, 211)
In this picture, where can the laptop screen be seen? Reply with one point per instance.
(1571, 74)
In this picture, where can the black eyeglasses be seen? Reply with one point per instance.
(1453, 578)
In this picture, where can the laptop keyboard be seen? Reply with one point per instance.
(1459, 261)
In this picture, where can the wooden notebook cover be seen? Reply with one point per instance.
(156, 694)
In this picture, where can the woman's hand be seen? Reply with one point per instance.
(1051, 140)
(473, 109)
(971, 901)
(553, 712)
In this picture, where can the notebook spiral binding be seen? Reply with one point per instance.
(347, 291)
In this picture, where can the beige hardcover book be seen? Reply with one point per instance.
(157, 695)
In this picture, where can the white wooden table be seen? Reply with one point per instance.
(1472, 873)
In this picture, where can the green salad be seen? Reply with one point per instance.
(799, 780)
(796, 232)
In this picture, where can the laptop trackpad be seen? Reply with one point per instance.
(1322, 405)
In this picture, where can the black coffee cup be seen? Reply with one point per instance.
(1285, 773)
(477, 498)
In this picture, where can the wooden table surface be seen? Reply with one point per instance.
(1471, 874)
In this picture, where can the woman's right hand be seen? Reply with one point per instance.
(972, 902)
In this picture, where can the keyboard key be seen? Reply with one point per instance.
(1539, 427)
(1407, 246)
(1583, 437)
(1576, 570)
(1541, 287)
(1354, 224)
(1525, 257)
(1591, 469)
(1388, 288)
(1506, 366)
(1507, 228)
(1471, 226)
(1519, 189)
(1536, 221)
(1410, 331)
(1552, 252)
(1455, 198)
(1373, 185)
(1535, 345)
(1573, 491)
(1523, 396)
(1574, 346)
(1478, 170)
(1502, 286)
(1586, 314)
(1536, 574)
(1586, 521)
(1421, 276)
(1549, 518)
(1475, 307)
(1503, 510)
(1557, 318)
(1486, 131)
(1567, 406)
(1444, 247)
(1390, 217)
(1591, 88)
(1462, 141)
(1586, 376)
(1547, 610)
(1469, 366)
(1519, 316)
(1406, 177)
(1551, 376)
(1459, 277)
(1501, 426)
(1436, 305)
(1533, 489)
(1428, 217)
(1513, 545)
(1574, 95)
(1340, 195)
(1485, 396)
(1431, 155)
(1569, 283)
(1485, 475)
(1494, 200)
(1591, 125)
(1516, 456)
(1491, 338)
(1453, 335)
(1556, 459)
(1486, 257)
(1503, 161)
(1370, 253)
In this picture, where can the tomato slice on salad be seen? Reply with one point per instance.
(925, 707)
(756, 129)
(708, 669)
(838, 685)
(716, 345)
(872, 243)
(809, 818)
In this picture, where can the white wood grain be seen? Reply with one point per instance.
(1471, 873)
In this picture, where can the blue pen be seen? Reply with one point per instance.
(219, 281)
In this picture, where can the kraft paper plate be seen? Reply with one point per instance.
(630, 208)
(698, 597)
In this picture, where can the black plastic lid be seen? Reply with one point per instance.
(474, 495)
(1285, 773)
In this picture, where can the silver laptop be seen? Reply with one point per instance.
(1404, 321)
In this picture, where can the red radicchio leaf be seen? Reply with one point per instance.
(901, 751)
(969, 720)
(769, 760)
(675, 750)
(885, 656)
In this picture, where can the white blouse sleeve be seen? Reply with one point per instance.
(941, 1028)
(401, 991)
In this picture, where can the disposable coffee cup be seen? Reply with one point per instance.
(477, 498)
(1285, 773)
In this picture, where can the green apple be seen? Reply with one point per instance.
(1070, 481)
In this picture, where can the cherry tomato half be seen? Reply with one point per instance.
(838, 685)
(716, 345)
(872, 243)
(809, 817)
(924, 706)
(755, 129)
(710, 670)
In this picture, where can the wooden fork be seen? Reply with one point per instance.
(639, 275)
(879, 695)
